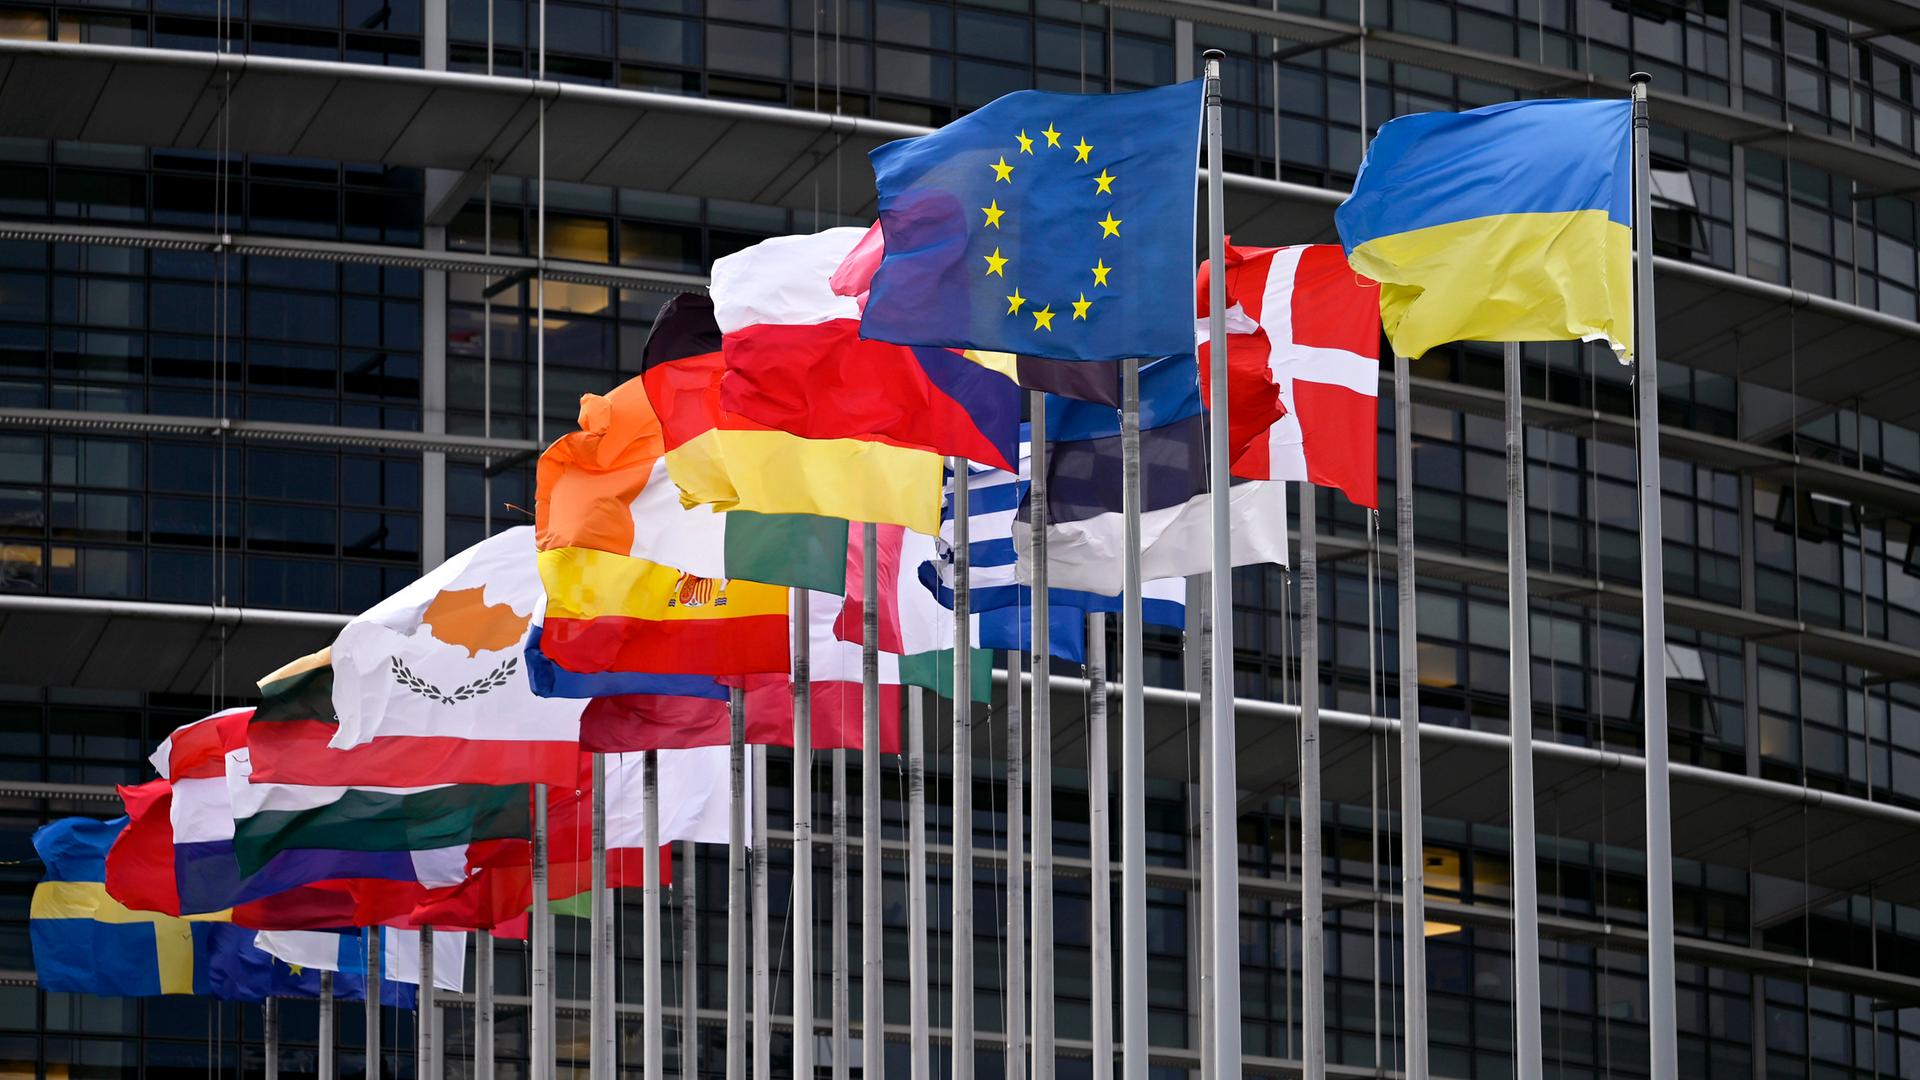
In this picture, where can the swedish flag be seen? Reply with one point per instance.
(1051, 225)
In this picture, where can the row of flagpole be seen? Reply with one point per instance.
(1210, 672)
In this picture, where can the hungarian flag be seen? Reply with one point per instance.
(1303, 367)
(730, 462)
(432, 681)
(177, 855)
(796, 361)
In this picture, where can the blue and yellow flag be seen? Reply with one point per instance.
(86, 942)
(1507, 223)
(1047, 225)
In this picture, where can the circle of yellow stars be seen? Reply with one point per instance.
(1109, 226)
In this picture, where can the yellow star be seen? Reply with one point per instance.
(995, 263)
(1026, 144)
(993, 212)
(1002, 170)
(1103, 184)
(1082, 306)
(1053, 137)
(1109, 227)
(1043, 319)
(1082, 149)
(1100, 271)
(1014, 301)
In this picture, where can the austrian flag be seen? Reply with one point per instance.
(1301, 322)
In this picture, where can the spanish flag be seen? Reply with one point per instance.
(729, 462)
(1507, 223)
(608, 612)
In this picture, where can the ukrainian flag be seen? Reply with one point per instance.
(1507, 223)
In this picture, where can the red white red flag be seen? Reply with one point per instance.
(1301, 322)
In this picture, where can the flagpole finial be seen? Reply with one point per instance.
(1640, 78)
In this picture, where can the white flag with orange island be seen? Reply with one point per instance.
(441, 664)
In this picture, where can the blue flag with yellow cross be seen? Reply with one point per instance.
(1043, 224)
(86, 942)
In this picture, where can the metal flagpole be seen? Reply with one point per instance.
(737, 885)
(1193, 660)
(802, 837)
(962, 1024)
(1225, 868)
(327, 1067)
(873, 961)
(1100, 845)
(270, 1032)
(540, 945)
(689, 960)
(1313, 937)
(841, 1069)
(1133, 745)
(1664, 1050)
(653, 1034)
(920, 1057)
(762, 938)
(1016, 999)
(1526, 890)
(600, 965)
(1042, 777)
(424, 1009)
(1413, 855)
(374, 944)
(482, 1007)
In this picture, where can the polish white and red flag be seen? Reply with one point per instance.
(1303, 358)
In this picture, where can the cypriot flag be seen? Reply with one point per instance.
(441, 664)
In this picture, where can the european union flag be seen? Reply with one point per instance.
(1052, 225)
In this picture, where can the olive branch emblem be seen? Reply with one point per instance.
(487, 683)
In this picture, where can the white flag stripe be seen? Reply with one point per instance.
(1175, 541)
(693, 795)
(202, 810)
(783, 281)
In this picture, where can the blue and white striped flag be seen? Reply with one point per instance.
(1002, 606)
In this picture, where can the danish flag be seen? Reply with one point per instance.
(1303, 361)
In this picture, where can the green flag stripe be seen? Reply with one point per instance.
(385, 821)
(934, 670)
(799, 550)
(306, 696)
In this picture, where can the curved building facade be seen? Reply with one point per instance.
(291, 291)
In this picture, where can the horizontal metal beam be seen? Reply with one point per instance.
(1877, 491)
(465, 446)
(415, 258)
(1874, 166)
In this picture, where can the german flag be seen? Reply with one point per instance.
(729, 462)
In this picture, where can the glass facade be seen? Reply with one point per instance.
(1793, 652)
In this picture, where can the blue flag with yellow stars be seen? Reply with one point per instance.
(1052, 225)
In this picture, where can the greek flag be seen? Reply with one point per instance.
(1001, 605)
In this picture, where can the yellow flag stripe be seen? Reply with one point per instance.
(585, 583)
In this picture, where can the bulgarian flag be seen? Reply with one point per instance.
(176, 855)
